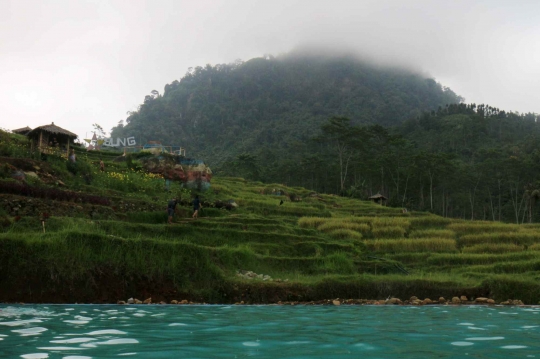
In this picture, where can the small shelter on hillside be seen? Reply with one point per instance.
(22, 131)
(379, 199)
(51, 138)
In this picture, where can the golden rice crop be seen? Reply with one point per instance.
(429, 221)
(433, 233)
(437, 245)
(345, 234)
(482, 227)
(388, 232)
(534, 247)
(311, 222)
(497, 248)
(333, 225)
(379, 222)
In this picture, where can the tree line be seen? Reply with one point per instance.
(464, 161)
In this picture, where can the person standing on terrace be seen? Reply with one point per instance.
(171, 207)
(196, 207)
(72, 157)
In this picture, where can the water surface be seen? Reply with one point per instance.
(147, 331)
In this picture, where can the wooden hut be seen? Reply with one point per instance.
(22, 131)
(379, 199)
(51, 138)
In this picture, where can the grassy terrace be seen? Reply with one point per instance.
(319, 248)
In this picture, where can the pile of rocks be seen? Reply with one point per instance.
(149, 301)
(247, 274)
(396, 301)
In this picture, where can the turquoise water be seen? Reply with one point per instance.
(147, 331)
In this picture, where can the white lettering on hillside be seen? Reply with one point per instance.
(129, 141)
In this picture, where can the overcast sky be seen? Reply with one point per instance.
(82, 62)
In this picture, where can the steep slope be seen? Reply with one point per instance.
(270, 107)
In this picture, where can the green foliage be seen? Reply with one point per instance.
(432, 245)
(388, 232)
(345, 234)
(433, 233)
(498, 248)
(517, 238)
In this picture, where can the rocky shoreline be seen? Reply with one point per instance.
(414, 301)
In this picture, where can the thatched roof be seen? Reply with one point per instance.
(23, 130)
(52, 128)
(378, 196)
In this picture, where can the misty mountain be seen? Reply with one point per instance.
(271, 107)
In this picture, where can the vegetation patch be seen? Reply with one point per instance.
(434, 245)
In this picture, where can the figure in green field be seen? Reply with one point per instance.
(171, 207)
(196, 207)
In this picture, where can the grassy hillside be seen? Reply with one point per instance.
(319, 247)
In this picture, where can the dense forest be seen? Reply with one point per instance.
(270, 107)
(337, 125)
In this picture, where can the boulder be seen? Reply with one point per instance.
(148, 301)
(481, 300)
(442, 300)
(463, 298)
(138, 301)
(131, 301)
(427, 301)
(413, 298)
(183, 302)
(121, 302)
(336, 302)
(490, 301)
(456, 300)
(174, 301)
(393, 301)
